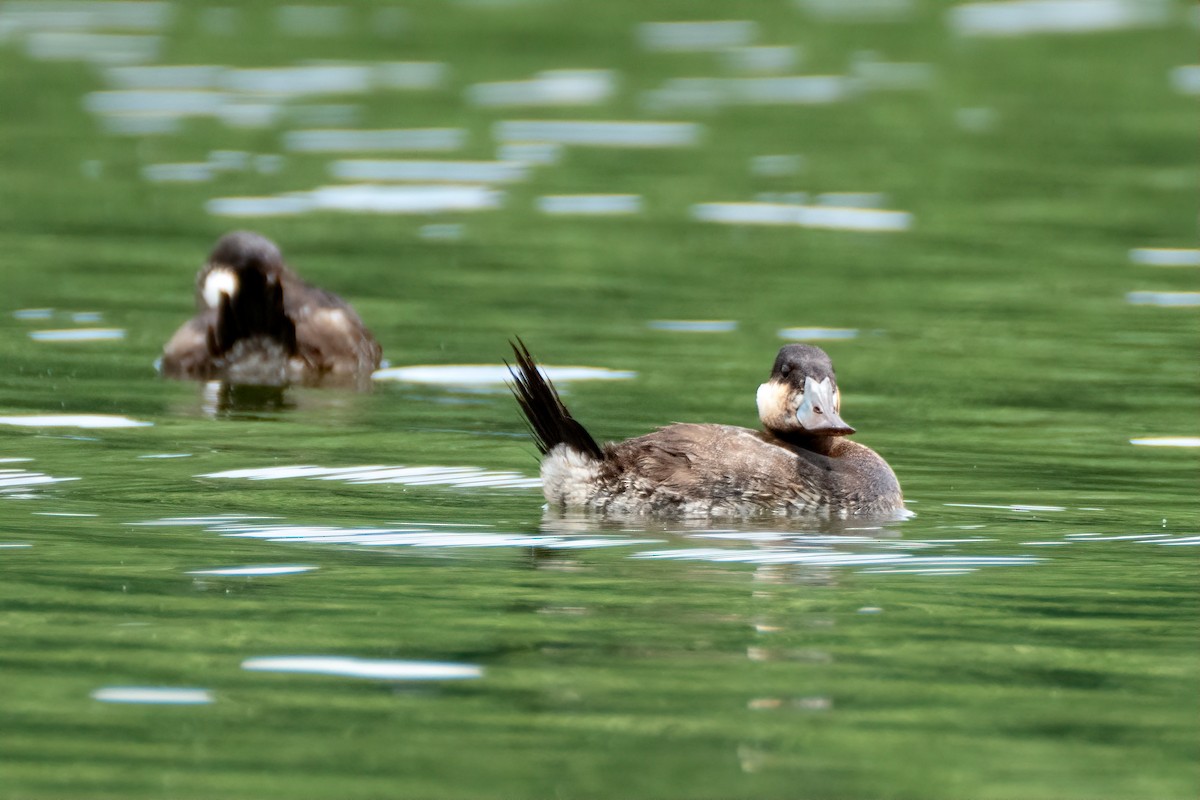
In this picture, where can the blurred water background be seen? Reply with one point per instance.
(985, 212)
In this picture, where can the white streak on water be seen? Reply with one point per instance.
(685, 37)
(693, 325)
(537, 153)
(853, 199)
(1172, 299)
(776, 166)
(557, 87)
(408, 199)
(708, 93)
(188, 172)
(1007, 508)
(163, 78)
(376, 669)
(85, 15)
(412, 139)
(490, 375)
(599, 133)
(279, 206)
(1190, 540)
(1095, 537)
(426, 170)
(86, 316)
(410, 476)
(1168, 441)
(1026, 17)
(761, 60)
(1186, 79)
(13, 545)
(783, 214)
(892, 76)
(808, 334)
(315, 21)
(592, 205)
(140, 124)
(250, 572)
(73, 421)
(153, 695)
(442, 232)
(97, 48)
(33, 313)
(170, 103)
(216, 519)
(77, 335)
(1165, 257)
(832, 558)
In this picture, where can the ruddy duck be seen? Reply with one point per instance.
(259, 323)
(800, 464)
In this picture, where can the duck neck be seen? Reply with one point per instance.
(823, 445)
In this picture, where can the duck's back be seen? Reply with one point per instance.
(689, 469)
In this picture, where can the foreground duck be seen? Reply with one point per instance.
(259, 323)
(800, 464)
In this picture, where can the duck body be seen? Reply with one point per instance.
(690, 470)
(260, 323)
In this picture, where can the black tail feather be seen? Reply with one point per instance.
(549, 420)
(256, 309)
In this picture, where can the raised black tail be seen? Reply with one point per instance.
(549, 420)
(256, 309)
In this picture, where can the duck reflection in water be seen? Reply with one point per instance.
(259, 324)
(800, 464)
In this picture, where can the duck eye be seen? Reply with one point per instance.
(784, 370)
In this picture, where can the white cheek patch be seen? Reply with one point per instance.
(219, 282)
(772, 400)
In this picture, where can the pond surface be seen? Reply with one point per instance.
(210, 591)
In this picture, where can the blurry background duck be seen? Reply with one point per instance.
(801, 463)
(260, 324)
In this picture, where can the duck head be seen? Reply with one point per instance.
(801, 397)
(238, 259)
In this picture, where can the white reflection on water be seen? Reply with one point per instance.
(312, 20)
(1165, 256)
(555, 87)
(250, 572)
(153, 695)
(536, 153)
(590, 205)
(761, 60)
(880, 75)
(377, 669)
(683, 37)
(491, 375)
(704, 93)
(693, 325)
(1168, 441)
(97, 48)
(829, 557)
(191, 172)
(1007, 508)
(1183, 299)
(337, 140)
(1186, 79)
(73, 421)
(856, 219)
(411, 476)
(777, 166)
(1025, 17)
(78, 335)
(406, 199)
(810, 334)
(33, 313)
(426, 170)
(84, 15)
(599, 133)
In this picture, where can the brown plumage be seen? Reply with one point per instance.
(259, 323)
(801, 463)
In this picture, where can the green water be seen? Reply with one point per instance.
(1030, 633)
